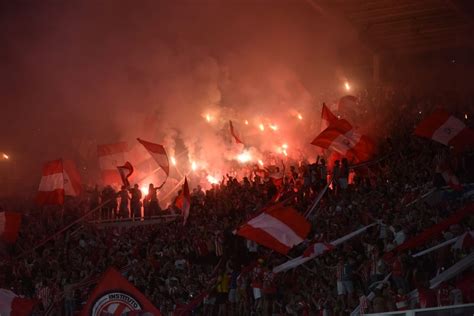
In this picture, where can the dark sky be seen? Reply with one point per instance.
(78, 73)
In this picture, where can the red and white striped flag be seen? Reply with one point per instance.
(232, 132)
(327, 117)
(51, 188)
(125, 172)
(10, 223)
(341, 137)
(72, 179)
(278, 228)
(13, 305)
(158, 153)
(60, 178)
(111, 156)
(446, 129)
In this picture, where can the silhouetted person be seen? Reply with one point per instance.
(135, 203)
(124, 199)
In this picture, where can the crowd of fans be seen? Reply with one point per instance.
(173, 264)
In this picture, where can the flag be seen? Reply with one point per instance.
(114, 295)
(13, 305)
(72, 179)
(431, 232)
(278, 228)
(316, 249)
(446, 129)
(327, 117)
(51, 188)
(10, 223)
(111, 156)
(125, 172)
(232, 132)
(60, 178)
(341, 137)
(158, 153)
(451, 179)
(465, 241)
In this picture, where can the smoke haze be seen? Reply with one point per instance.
(76, 74)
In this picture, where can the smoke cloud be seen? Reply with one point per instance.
(77, 74)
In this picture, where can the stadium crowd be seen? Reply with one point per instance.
(172, 264)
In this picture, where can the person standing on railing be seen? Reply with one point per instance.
(124, 199)
(135, 202)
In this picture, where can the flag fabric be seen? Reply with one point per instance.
(114, 295)
(341, 137)
(13, 305)
(432, 231)
(446, 129)
(232, 132)
(10, 223)
(51, 188)
(125, 172)
(158, 153)
(465, 241)
(278, 228)
(111, 156)
(451, 179)
(327, 117)
(72, 179)
(316, 249)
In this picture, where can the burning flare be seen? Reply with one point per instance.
(212, 180)
(244, 157)
(347, 86)
(144, 190)
(274, 127)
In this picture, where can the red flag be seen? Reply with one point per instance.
(114, 295)
(125, 172)
(232, 131)
(158, 153)
(446, 129)
(342, 138)
(10, 223)
(278, 228)
(432, 231)
(72, 179)
(327, 117)
(51, 188)
(111, 156)
(13, 305)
